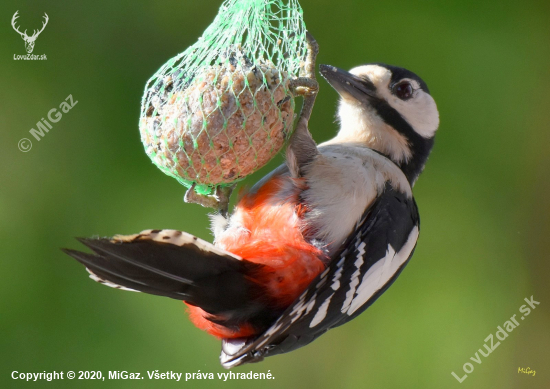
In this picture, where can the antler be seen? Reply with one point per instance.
(43, 26)
(15, 16)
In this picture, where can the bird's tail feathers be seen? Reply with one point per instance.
(173, 264)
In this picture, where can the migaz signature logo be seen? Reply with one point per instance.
(29, 40)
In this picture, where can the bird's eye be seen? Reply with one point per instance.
(403, 90)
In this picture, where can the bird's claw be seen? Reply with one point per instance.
(304, 86)
(219, 200)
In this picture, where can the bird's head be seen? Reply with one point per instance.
(388, 109)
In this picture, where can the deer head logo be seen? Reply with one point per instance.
(29, 40)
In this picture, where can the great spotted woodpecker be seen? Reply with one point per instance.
(314, 243)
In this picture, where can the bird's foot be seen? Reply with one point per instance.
(219, 200)
(304, 86)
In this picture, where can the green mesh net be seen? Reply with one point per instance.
(223, 108)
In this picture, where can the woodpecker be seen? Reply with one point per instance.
(310, 246)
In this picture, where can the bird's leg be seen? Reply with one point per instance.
(219, 200)
(302, 148)
(224, 195)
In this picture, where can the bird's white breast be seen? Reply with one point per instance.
(343, 181)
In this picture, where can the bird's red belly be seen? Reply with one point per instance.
(269, 232)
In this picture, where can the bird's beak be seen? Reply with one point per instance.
(348, 86)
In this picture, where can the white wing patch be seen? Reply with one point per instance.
(336, 280)
(354, 278)
(322, 311)
(381, 272)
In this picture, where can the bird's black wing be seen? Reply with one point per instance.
(357, 275)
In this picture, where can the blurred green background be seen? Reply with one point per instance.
(483, 197)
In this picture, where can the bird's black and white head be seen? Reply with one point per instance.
(387, 108)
